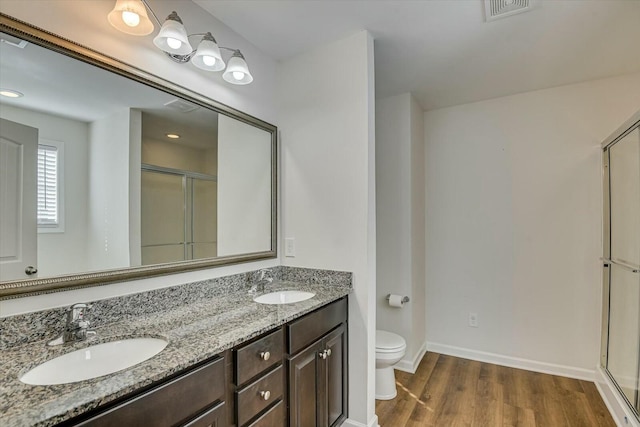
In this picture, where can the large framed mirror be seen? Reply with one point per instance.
(109, 173)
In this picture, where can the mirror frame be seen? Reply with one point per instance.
(46, 39)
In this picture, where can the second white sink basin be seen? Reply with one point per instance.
(284, 297)
(94, 361)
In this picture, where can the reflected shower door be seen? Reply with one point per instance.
(623, 249)
(163, 217)
(204, 218)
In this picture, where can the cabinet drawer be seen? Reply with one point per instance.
(214, 417)
(311, 327)
(171, 403)
(274, 417)
(257, 357)
(258, 395)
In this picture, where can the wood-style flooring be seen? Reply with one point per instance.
(448, 391)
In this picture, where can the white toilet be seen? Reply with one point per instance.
(390, 349)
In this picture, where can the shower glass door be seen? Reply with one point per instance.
(163, 217)
(204, 196)
(178, 215)
(622, 264)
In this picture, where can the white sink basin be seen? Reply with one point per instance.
(284, 297)
(94, 361)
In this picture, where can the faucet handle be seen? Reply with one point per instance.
(77, 311)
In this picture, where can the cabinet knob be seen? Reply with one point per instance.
(265, 355)
(265, 394)
(328, 352)
(323, 354)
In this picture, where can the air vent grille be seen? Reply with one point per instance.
(181, 105)
(496, 9)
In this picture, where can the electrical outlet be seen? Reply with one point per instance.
(473, 320)
(290, 247)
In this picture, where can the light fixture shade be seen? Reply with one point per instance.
(130, 16)
(237, 71)
(208, 55)
(172, 37)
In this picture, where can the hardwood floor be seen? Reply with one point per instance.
(448, 391)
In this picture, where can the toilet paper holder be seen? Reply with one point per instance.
(405, 299)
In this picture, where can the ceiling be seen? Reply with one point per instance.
(57, 84)
(443, 51)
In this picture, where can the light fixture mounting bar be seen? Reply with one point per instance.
(146, 4)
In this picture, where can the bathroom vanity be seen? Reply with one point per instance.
(247, 386)
(229, 361)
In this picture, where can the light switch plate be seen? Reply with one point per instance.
(290, 247)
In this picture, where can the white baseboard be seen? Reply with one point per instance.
(411, 365)
(351, 423)
(513, 362)
(615, 404)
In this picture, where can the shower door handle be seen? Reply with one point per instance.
(607, 262)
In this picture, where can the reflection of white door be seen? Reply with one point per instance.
(18, 180)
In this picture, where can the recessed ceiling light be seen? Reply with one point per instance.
(10, 93)
(173, 135)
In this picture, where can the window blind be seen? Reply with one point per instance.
(47, 185)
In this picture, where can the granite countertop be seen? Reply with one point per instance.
(195, 332)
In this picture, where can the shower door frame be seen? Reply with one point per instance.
(626, 128)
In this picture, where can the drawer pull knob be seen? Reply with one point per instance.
(323, 354)
(265, 355)
(265, 394)
(328, 352)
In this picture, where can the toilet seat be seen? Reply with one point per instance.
(388, 342)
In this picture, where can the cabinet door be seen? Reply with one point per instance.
(335, 376)
(303, 386)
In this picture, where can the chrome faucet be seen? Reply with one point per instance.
(76, 327)
(262, 278)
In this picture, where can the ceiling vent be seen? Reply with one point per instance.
(181, 105)
(496, 9)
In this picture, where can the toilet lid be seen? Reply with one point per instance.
(388, 341)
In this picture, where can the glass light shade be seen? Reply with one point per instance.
(237, 68)
(130, 17)
(172, 37)
(208, 55)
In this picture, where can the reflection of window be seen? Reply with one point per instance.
(50, 213)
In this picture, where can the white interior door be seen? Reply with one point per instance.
(18, 186)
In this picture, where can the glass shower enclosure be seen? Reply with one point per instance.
(620, 357)
(179, 210)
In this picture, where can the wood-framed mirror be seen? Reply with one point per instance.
(95, 190)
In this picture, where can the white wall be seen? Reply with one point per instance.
(418, 226)
(514, 222)
(62, 253)
(108, 231)
(244, 188)
(400, 228)
(86, 23)
(328, 185)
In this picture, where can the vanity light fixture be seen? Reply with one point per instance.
(130, 16)
(10, 93)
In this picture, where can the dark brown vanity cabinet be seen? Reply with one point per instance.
(195, 398)
(317, 367)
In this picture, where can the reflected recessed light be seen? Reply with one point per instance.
(9, 93)
(173, 135)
